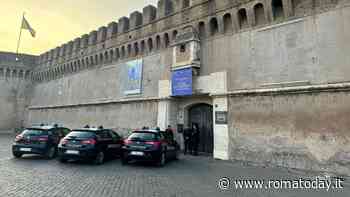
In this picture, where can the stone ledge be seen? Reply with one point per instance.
(104, 102)
(335, 87)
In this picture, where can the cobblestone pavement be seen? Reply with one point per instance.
(191, 176)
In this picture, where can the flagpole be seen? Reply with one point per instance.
(19, 38)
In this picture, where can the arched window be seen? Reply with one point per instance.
(259, 14)
(214, 26)
(101, 58)
(227, 23)
(117, 54)
(277, 9)
(96, 60)
(186, 3)
(143, 46)
(14, 73)
(158, 42)
(71, 67)
(166, 40)
(242, 18)
(106, 58)
(129, 50)
(75, 69)
(201, 29)
(8, 73)
(20, 75)
(91, 61)
(123, 52)
(111, 55)
(174, 34)
(78, 65)
(82, 63)
(136, 48)
(150, 45)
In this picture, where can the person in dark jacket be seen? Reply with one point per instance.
(187, 140)
(170, 132)
(195, 139)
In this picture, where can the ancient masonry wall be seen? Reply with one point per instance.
(264, 52)
(303, 129)
(15, 86)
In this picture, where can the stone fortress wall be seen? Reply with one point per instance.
(280, 69)
(15, 84)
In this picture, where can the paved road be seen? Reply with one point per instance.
(190, 177)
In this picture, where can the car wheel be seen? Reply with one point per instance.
(50, 154)
(177, 155)
(162, 160)
(63, 160)
(100, 157)
(17, 155)
(125, 161)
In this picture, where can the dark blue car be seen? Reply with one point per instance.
(42, 140)
(92, 144)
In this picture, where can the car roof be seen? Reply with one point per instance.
(47, 127)
(147, 131)
(92, 129)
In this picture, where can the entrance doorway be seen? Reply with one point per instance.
(202, 114)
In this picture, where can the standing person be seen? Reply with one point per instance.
(187, 140)
(170, 132)
(195, 138)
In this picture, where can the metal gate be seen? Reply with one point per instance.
(202, 114)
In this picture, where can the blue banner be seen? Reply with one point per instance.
(134, 77)
(181, 82)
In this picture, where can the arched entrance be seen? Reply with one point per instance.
(202, 114)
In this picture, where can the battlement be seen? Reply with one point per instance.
(10, 67)
(154, 28)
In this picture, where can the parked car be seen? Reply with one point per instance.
(150, 145)
(90, 144)
(42, 140)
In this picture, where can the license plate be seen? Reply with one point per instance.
(25, 149)
(137, 153)
(73, 152)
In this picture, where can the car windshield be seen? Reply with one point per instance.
(143, 136)
(34, 132)
(81, 134)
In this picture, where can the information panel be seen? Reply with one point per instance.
(182, 82)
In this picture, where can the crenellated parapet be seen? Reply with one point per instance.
(156, 28)
(112, 30)
(149, 14)
(20, 68)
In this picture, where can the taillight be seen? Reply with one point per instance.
(43, 139)
(18, 138)
(157, 144)
(89, 141)
(127, 142)
(63, 141)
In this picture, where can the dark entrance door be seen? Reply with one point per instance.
(202, 114)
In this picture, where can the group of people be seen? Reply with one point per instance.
(191, 139)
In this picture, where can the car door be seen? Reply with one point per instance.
(116, 144)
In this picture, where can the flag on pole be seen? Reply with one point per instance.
(25, 25)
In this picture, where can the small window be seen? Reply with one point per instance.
(183, 48)
(186, 3)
